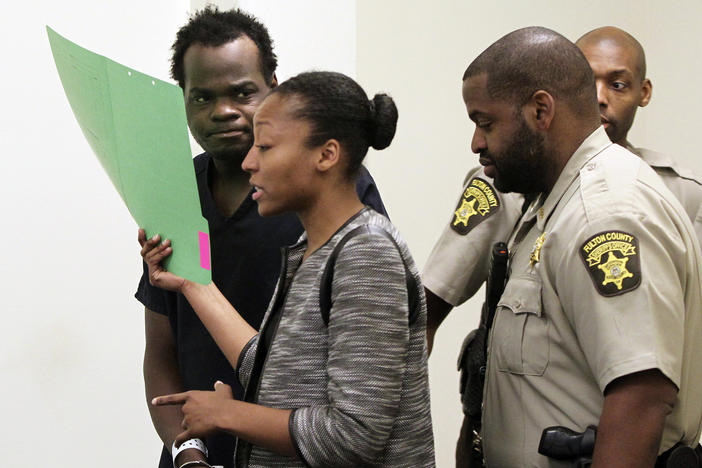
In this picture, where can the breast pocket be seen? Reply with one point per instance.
(520, 332)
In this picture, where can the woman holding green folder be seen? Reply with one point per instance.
(337, 374)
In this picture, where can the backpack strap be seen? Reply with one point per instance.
(325, 301)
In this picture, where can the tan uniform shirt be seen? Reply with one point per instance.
(458, 264)
(604, 281)
(459, 261)
(685, 184)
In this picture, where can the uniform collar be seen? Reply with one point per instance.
(594, 144)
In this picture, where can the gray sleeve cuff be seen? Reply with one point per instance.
(293, 433)
(246, 361)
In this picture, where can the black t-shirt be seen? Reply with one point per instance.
(246, 260)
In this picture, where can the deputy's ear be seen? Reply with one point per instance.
(540, 110)
(329, 155)
(646, 92)
(274, 81)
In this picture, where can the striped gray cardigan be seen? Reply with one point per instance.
(358, 386)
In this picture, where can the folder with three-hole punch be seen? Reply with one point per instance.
(136, 126)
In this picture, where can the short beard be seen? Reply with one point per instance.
(523, 165)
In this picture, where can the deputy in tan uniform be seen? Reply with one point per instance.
(601, 316)
(619, 64)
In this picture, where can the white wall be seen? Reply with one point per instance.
(72, 337)
(418, 51)
(309, 34)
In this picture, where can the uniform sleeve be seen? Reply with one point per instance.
(153, 298)
(245, 365)
(458, 264)
(368, 337)
(621, 285)
(368, 192)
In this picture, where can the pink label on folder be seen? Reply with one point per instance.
(204, 250)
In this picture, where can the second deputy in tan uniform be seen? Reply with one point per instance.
(601, 315)
(481, 217)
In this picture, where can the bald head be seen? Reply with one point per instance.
(610, 37)
(536, 58)
(619, 65)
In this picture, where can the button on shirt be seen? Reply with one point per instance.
(604, 281)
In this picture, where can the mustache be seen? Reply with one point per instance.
(486, 156)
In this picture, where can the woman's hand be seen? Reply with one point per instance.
(153, 251)
(200, 410)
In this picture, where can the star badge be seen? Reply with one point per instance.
(465, 211)
(615, 271)
(536, 250)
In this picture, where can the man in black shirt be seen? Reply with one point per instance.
(225, 65)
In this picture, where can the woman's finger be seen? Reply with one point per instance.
(223, 389)
(150, 244)
(173, 399)
(156, 255)
(156, 250)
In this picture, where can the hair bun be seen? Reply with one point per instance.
(383, 121)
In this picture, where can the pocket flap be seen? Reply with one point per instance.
(522, 295)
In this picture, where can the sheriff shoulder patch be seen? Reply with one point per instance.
(479, 202)
(612, 260)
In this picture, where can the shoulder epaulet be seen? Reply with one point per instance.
(472, 173)
(660, 160)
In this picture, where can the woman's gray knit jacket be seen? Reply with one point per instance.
(358, 387)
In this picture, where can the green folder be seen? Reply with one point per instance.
(137, 128)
